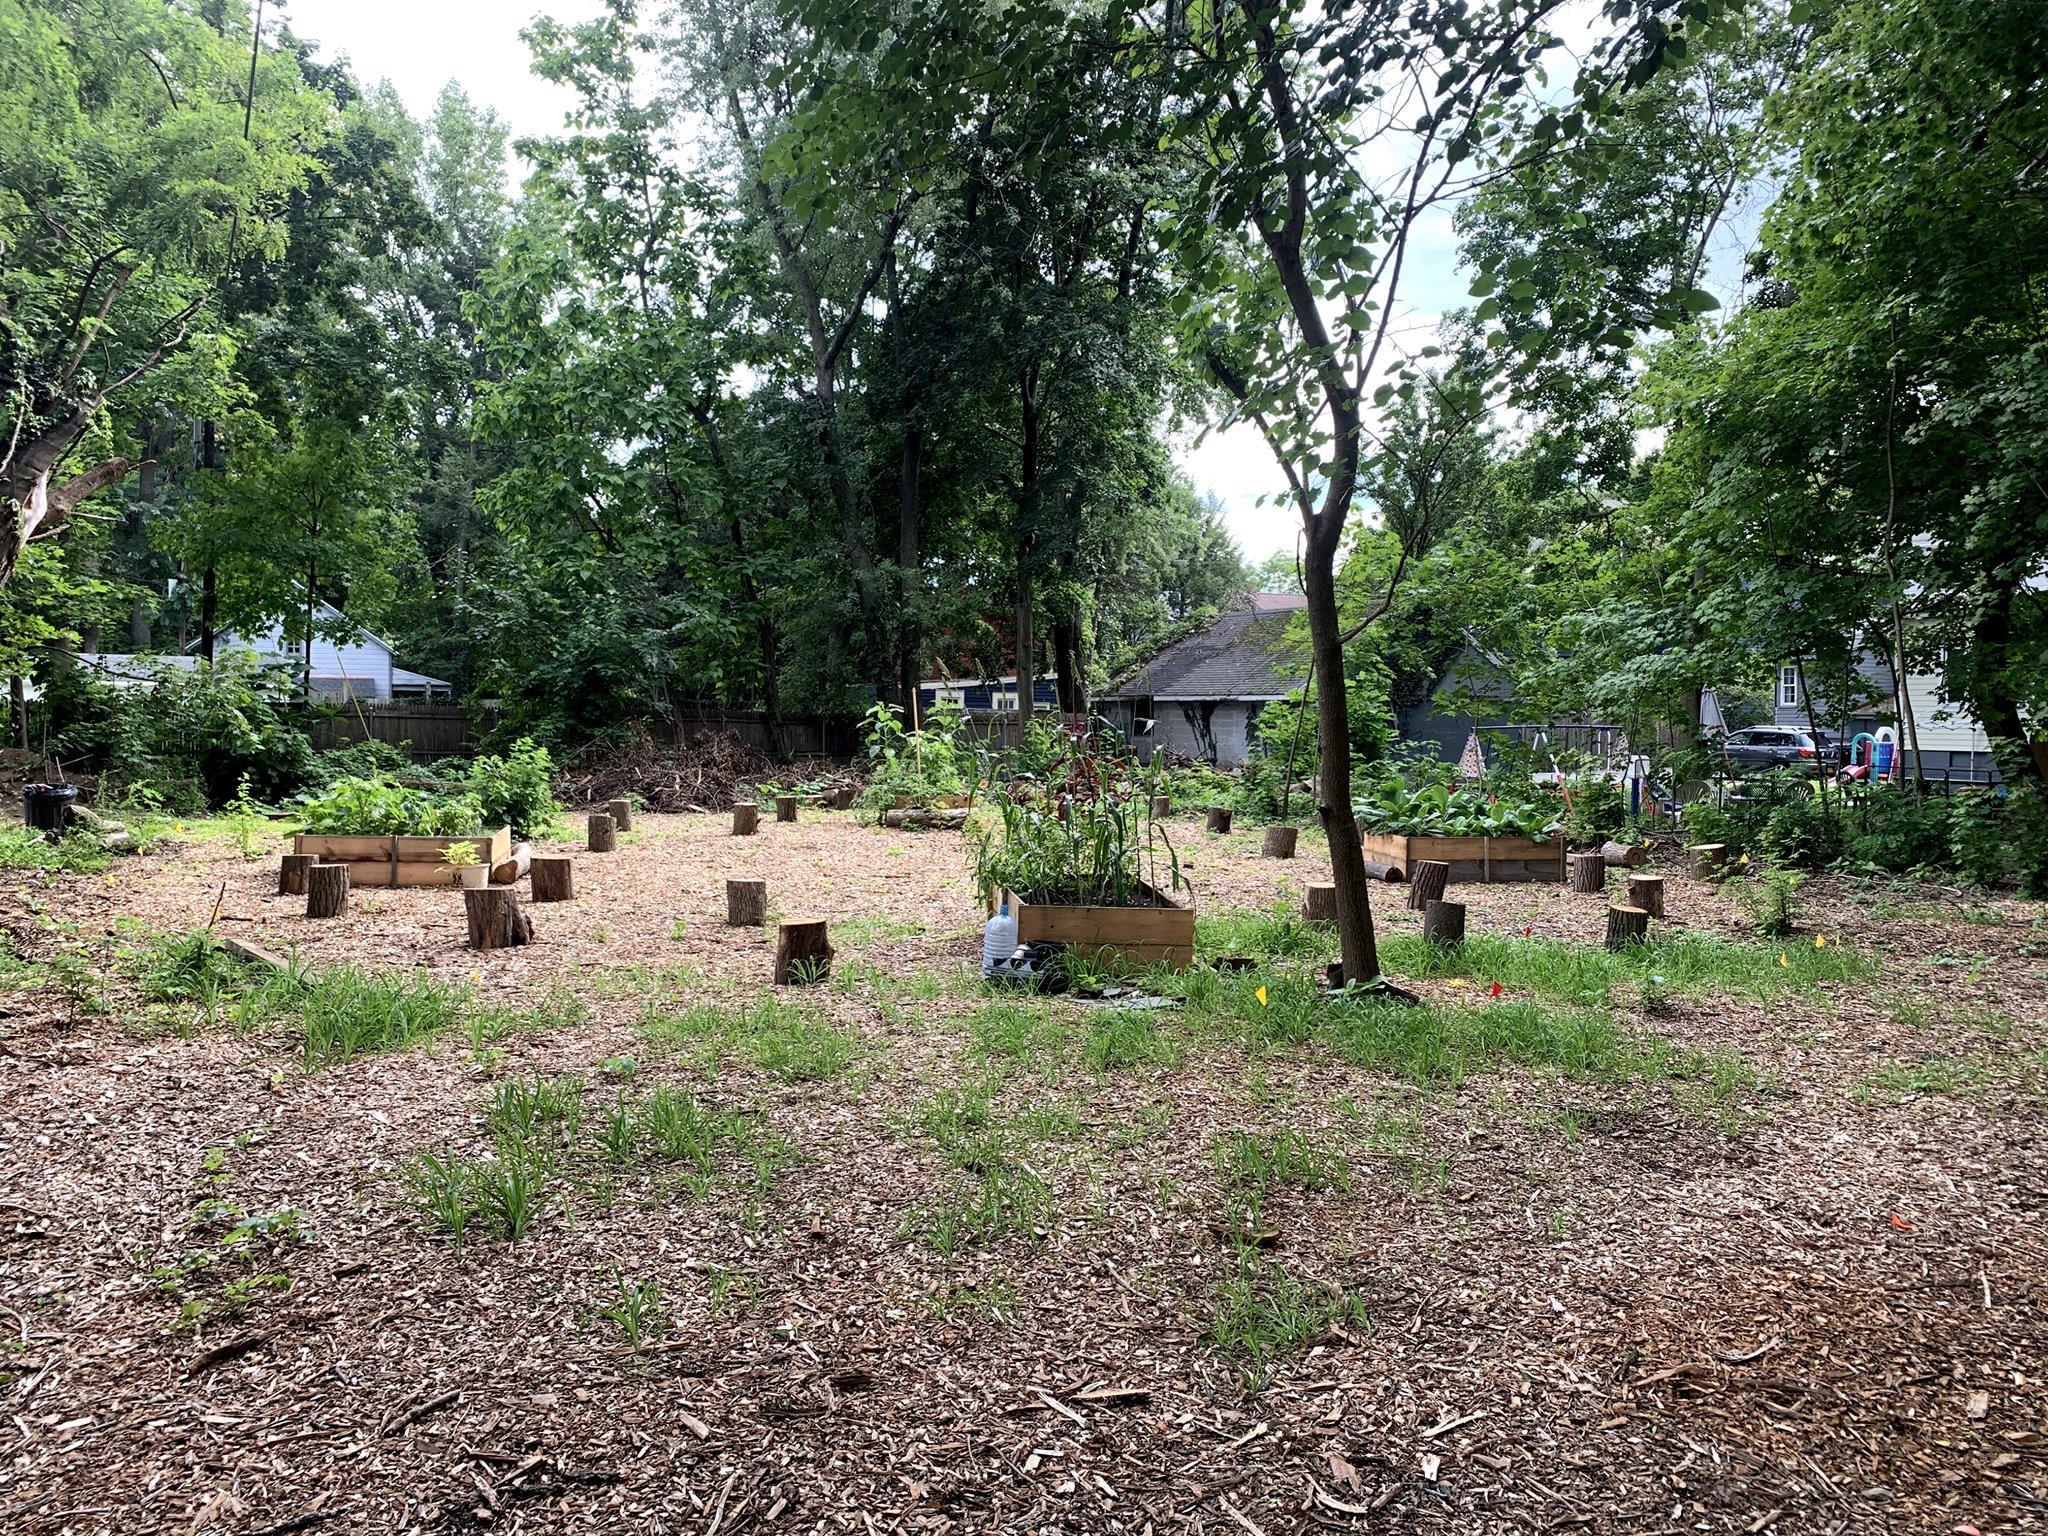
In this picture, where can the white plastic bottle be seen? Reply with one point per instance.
(998, 938)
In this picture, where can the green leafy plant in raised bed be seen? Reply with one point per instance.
(382, 808)
(921, 767)
(1104, 851)
(1448, 810)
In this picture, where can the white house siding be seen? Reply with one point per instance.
(363, 661)
(1209, 730)
(1941, 725)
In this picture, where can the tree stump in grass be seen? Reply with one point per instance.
(291, 874)
(1320, 904)
(1624, 855)
(1626, 926)
(554, 878)
(1427, 882)
(1647, 892)
(745, 818)
(785, 807)
(604, 832)
(326, 890)
(1588, 873)
(1709, 861)
(621, 812)
(746, 903)
(1219, 818)
(803, 952)
(495, 921)
(1443, 924)
(1162, 807)
(1279, 842)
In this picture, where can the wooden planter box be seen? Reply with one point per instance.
(1139, 937)
(1485, 859)
(395, 861)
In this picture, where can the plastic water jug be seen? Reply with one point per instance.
(998, 938)
(1883, 763)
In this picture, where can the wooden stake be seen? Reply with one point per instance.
(495, 921)
(1429, 877)
(1588, 873)
(1320, 904)
(1219, 818)
(1279, 842)
(1443, 924)
(785, 807)
(1626, 926)
(746, 903)
(554, 878)
(746, 816)
(621, 813)
(803, 952)
(604, 832)
(1709, 861)
(327, 890)
(1647, 892)
(291, 874)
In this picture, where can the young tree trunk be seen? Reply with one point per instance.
(1356, 941)
(908, 565)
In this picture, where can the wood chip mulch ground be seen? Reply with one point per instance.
(1586, 1306)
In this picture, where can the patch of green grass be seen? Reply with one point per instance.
(1025, 1032)
(1280, 934)
(792, 1042)
(75, 853)
(531, 1110)
(1118, 1039)
(1263, 1313)
(999, 1189)
(1255, 1163)
(993, 1301)
(870, 928)
(635, 1311)
(490, 1023)
(344, 1012)
(1893, 1082)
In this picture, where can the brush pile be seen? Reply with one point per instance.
(708, 774)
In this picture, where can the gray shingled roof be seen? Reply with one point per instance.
(1243, 655)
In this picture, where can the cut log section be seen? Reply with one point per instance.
(1393, 874)
(1626, 926)
(746, 817)
(291, 874)
(1219, 818)
(841, 799)
(1162, 807)
(1647, 892)
(1709, 861)
(510, 871)
(803, 952)
(1443, 924)
(1279, 842)
(495, 921)
(1588, 873)
(1624, 855)
(1429, 877)
(621, 813)
(554, 878)
(604, 832)
(785, 807)
(327, 890)
(253, 954)
(746, 903)
(917, 818)
(1320, 904)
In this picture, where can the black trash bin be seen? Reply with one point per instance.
(47, 807)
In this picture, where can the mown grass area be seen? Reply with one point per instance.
(792, 1042)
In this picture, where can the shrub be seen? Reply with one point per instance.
(1805, 831)
(358, 760)
(920, 767)
(196, 735)
(380, 808)
(516, 790)
(1595, 809)
(1978, 839)
(1897, 830)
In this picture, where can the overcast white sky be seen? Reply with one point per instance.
(420, 45)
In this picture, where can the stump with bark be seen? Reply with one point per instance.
(1709, 861)
(1426, 883)
(554, 878)
(326, 890)
(1626, 926)
(1588, 873)
(1624, 855)
(803, 952)
(291, 874)
(746, 903)
(745, 818)
(495, 921)
(1279, 842)
(1219, 818)
(1647, 892)
(621, 813)
(1443, 924)
(604, 832)
(785, 807)
(1320, 904)
(1162, 807)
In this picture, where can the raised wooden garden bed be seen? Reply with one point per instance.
(1485, 859)
(394, 861)
(1137, 937)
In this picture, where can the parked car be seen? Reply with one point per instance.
(1774, 747)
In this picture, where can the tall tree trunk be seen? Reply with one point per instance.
(1027, 527)
(908, 564)
(1357, 943)
(209, 580)
(1066, 660)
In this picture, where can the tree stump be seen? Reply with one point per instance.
(1647, 892)
(841, 799)
(1709, 861)
(291, 874)
(604, 832)
(746, 903)
(1427, 882)
(1320, 904)
(803, 952)
(326, 890)
(745, 818)
(785, 807)
(495, 921)
(1624, 855)
(1443, 924)
(554, 878)
(1279, 842)
(1626, 926)
(1219, 818)
(1162, 807)
(621, 814)
(1588, 873)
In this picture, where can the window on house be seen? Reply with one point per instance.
(1788, 687)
